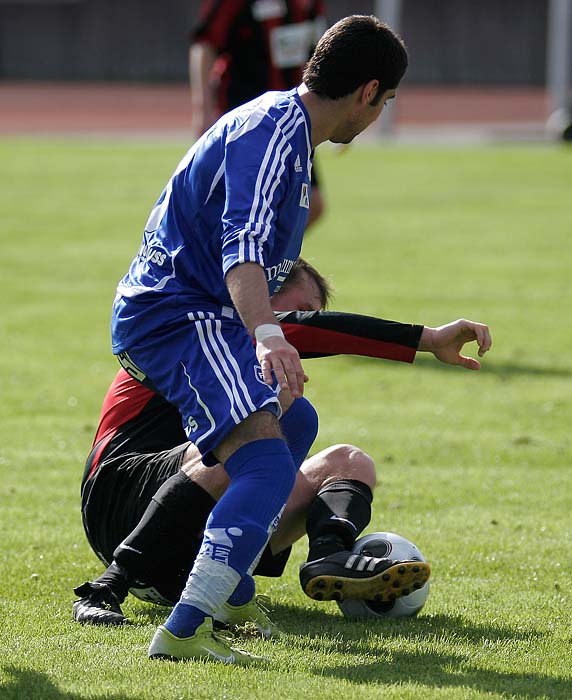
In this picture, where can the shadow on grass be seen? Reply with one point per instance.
(321, 623)
(316, 623)
(26, 684)
(428, 668)
(326, 631)
(452, 671)
(147, 613)
(502, 370)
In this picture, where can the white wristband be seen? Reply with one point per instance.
(267, 330)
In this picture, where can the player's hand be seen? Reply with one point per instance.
(446, 342)
(276, 354)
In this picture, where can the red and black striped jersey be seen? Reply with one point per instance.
(261, 44)
(136, 419)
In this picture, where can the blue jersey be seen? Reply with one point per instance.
(240, 194)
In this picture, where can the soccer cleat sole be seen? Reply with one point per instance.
(229, 660)
(396, 581)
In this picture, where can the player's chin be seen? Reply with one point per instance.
(345, 140)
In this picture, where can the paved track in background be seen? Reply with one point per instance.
(164, 110)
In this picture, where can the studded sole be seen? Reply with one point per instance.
(394, 582)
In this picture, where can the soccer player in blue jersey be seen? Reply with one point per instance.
(220, 241)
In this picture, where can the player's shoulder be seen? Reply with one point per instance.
(284, 107)
(271, 113)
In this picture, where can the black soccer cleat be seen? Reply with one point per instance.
(97, 605)
(346, 575)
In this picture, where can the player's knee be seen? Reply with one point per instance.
(300, 426)
(214, 480)
(350, 462)
(307, 419)
(262, 425)
(280, 471)
(266, 463)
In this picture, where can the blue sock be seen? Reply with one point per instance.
(184, 620)
(262, 476)
(244, 592)
(299, 425)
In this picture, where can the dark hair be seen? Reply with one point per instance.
(322, 283)
(352, 52)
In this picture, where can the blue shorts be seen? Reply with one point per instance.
(207, 367)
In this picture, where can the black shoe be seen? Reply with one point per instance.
(346, 575)
(97, 605)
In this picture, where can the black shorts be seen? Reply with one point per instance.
(117, 494)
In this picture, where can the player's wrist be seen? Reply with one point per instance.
(268, 330)
(427, 339)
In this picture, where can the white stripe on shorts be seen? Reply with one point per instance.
(223, 381)
(233, 362)
(228, 364)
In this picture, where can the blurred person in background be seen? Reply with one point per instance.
(242, 48)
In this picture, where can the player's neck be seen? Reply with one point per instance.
(325, 114)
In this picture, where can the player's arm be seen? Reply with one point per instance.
(323, 333)
(249, 292)
(209, 38)
(201, 59)
(256, 182)
(257, 178)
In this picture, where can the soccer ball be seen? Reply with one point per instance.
(391, 546)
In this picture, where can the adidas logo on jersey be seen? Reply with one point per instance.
(305, 196)
(297, 164)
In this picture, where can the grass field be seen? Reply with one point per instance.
(474, 467)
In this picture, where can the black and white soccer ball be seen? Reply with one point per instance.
(387, 545)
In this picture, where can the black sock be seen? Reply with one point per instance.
(337, 516)
(168, 531)
(115, 577)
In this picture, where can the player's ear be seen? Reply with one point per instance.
(369, 92)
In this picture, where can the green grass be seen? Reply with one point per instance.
(473, 467)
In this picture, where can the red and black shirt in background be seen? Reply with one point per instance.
(261, 44)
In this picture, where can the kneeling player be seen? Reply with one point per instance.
(138, 452)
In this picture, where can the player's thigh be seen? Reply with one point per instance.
(209, 370)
